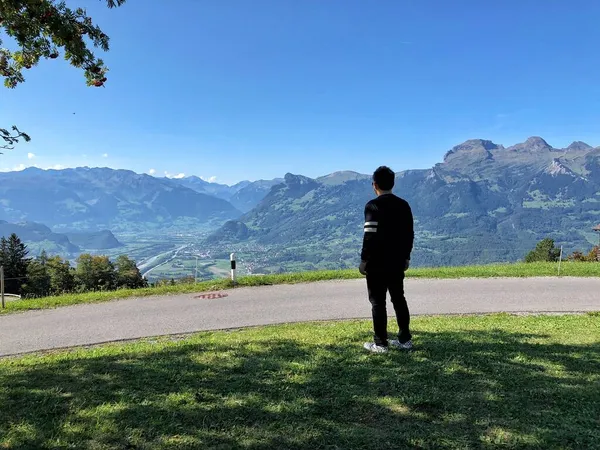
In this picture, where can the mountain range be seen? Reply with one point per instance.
(101, 198)
(484, 202)
(38, 236)
(244, 195)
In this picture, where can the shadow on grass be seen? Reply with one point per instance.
(458, 390)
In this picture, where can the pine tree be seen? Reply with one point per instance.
(38, 279)
(544, 251)
(3, 251)
(15, 261)
(43, 258)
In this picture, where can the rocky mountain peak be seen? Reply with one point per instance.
(579, 146)
(533, 144)
(475, 148)
(341, 177)
(291, 179)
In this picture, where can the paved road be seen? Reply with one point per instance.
(136, 318)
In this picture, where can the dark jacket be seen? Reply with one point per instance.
(389, 233)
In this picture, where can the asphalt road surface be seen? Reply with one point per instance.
(153, 316)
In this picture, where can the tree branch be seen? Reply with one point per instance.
(11, 138)
(40, 29)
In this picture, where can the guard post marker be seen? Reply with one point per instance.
(233, 268)
(2, 285)
(560, 259)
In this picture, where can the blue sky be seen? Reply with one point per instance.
(246, 90)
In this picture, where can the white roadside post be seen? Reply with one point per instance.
(2, 285)
(560, 259)
(233, 268)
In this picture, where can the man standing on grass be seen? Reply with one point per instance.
(387, 245)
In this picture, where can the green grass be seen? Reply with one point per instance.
(487, 271)
(519, 270)
(472, 383)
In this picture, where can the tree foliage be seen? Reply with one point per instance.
(48, 276)
(592, 256)
(43, 29)
(544, 251)
(13, 257)
(94, 273)
(62, 276)
(38, 282)
(127, 274)
(44, 275)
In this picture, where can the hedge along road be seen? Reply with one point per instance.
(178, 314)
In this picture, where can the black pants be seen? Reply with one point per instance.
(378, 284)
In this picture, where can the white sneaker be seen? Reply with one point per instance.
(402, 346)
(374, 348)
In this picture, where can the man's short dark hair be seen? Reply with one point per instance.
(384, 177)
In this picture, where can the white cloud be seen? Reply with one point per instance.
(176, 176)
(21, 167)
(14, 169)
(152, 171)
(30, 155)
(209, 179)
(105, 155)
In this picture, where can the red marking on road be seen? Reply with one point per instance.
(212, 296)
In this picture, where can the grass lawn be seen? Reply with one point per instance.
(571, 269)
(472, 382)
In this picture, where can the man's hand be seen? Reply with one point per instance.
(406, 265)
(363, 268)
